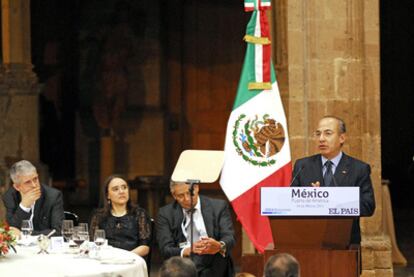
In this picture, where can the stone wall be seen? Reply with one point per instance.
(19, 114)
(333, 68)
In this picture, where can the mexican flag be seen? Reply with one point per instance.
(257, 152)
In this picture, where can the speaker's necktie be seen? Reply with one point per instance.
(328, 177)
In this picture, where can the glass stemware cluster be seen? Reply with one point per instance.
(75, 236)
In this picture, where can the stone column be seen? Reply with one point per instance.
(333, 57)
(18, 89)
(106, 162)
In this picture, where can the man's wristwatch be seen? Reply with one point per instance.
(223, 248)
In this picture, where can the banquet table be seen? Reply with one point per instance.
(114, 262)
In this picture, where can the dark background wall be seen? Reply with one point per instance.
(55, 55)
(200, 56)
(397, 99)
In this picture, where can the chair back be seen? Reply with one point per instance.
(72, 216)
(151, 245)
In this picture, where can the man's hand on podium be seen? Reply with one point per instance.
(316, 184)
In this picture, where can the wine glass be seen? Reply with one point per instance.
(99, 239)
(26, 228)
(83, 226)
(67, 229)
(79, 235)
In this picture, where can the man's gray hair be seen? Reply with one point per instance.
(172, 185)
(341, 123)
(21, 168)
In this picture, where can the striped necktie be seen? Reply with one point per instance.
(328, 177)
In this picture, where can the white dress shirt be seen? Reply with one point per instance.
(199, 226)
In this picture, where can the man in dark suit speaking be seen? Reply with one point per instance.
(213, 233)
(332, 167)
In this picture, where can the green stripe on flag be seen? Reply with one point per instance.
(248, 72)
(250, 28)
(243, 93)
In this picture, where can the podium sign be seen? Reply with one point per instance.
(310, 201)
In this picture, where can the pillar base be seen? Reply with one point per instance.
(376, 256)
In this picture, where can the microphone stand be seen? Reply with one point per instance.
(191, 190)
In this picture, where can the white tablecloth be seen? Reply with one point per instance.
(26, 262)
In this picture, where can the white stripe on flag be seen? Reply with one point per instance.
(239, 172)
(258, 49)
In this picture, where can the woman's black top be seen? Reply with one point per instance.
(126, 232)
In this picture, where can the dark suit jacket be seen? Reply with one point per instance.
(350, 172)
(219, 226)
(48, 211)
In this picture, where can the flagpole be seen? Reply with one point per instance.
(257, 143)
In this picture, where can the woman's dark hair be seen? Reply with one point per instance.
(106, 203)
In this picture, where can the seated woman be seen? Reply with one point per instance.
(125, 226)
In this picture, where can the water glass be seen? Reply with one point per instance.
(26, 228)
(67, 229)
(99, 239)
(83, 226)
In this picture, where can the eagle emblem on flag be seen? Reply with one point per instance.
(257, 140)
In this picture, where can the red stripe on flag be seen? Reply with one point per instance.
(247, 208)
(264, 27)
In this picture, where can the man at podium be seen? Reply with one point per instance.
(332, 167)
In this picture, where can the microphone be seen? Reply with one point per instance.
(296, 175)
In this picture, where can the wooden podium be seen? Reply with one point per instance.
(320, 244)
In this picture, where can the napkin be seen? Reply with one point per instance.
(27, 240)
